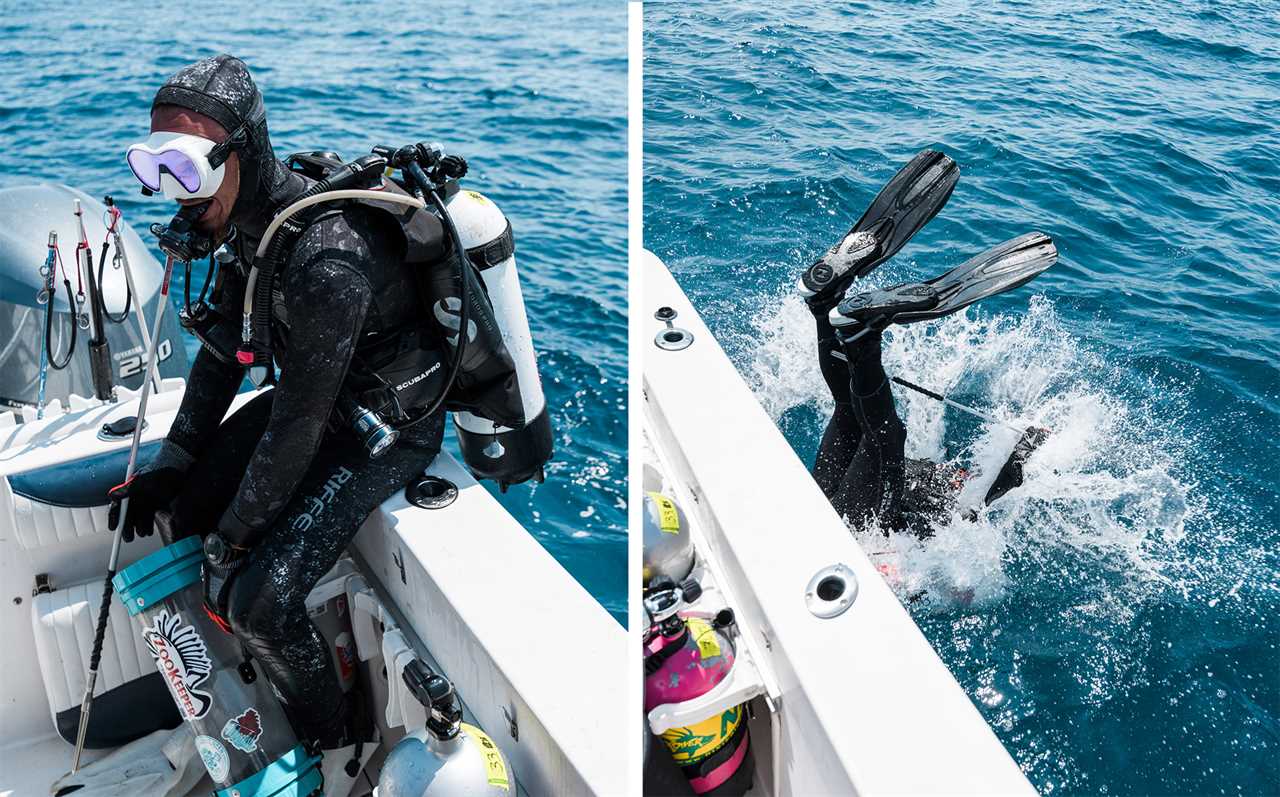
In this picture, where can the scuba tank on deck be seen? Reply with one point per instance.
(687, 656)
(668, 548)
(447, 757)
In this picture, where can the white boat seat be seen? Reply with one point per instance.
(131, 699)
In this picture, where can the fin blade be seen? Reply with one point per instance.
(908, 202)
(910, 199)
(1002, 268)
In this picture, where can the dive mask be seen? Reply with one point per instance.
(180, 165)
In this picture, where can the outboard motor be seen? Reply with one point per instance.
(241, 732)
(491, 450)
(447, 757)
(686, 657)
(31, 213)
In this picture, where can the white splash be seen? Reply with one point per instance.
(1107, 501)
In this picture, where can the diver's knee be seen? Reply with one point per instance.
(254, 610)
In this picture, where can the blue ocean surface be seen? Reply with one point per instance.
(532, 94)
(1117, 618)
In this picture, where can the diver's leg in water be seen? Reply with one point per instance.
(872, 485)
(214, 477)
(267, 605)
(840, 438)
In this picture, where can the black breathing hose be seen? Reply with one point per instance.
(102, 299)
(459, 252)
(48, 325)
(186, 284)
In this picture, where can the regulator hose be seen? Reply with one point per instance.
(257, 292)
(460, 252)
(186, 285)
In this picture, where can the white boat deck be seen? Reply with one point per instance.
(858, 703)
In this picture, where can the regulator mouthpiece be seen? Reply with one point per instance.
(180, 239)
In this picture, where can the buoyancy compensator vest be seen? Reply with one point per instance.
(495, 393)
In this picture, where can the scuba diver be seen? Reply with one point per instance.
(861, 466)
(279, 488)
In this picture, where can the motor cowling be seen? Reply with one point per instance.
(491, 450)
(30, 213)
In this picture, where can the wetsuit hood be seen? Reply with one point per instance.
(222, 89)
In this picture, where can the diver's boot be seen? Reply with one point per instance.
(1010, 475)
(876, 310)
(906, 203)
(346, 742)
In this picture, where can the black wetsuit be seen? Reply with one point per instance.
(861, 465)
(280, 476)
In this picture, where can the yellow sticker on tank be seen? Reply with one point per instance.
(705, 636)
(668, 517)
(477, 196)
(494, 763)
(692, 743)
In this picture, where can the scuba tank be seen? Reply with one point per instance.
(241, 732)
(668, 548)
(447, 757)
(686, 657)
(491, 450)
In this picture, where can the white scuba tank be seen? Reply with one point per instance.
(491, 450)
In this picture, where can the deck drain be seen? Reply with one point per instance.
(831, 591)
(431, 492)
(673, 338)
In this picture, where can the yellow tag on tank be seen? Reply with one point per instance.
(705, 636)
(494, 763)
(668, 517)
(477, 196)
(692, 743)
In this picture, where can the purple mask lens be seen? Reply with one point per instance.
(181, 167)
(145, 168)
(148, 168)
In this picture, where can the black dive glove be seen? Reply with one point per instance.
(147, 491)
(222, 561)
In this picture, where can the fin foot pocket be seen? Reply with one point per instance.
(878, 309)
(906, 203)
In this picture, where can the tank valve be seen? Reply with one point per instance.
(436, 694)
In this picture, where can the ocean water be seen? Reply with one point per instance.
(533, 97)
(1115, 619)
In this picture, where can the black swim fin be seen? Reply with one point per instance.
(913, 197)
(1010, 265)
